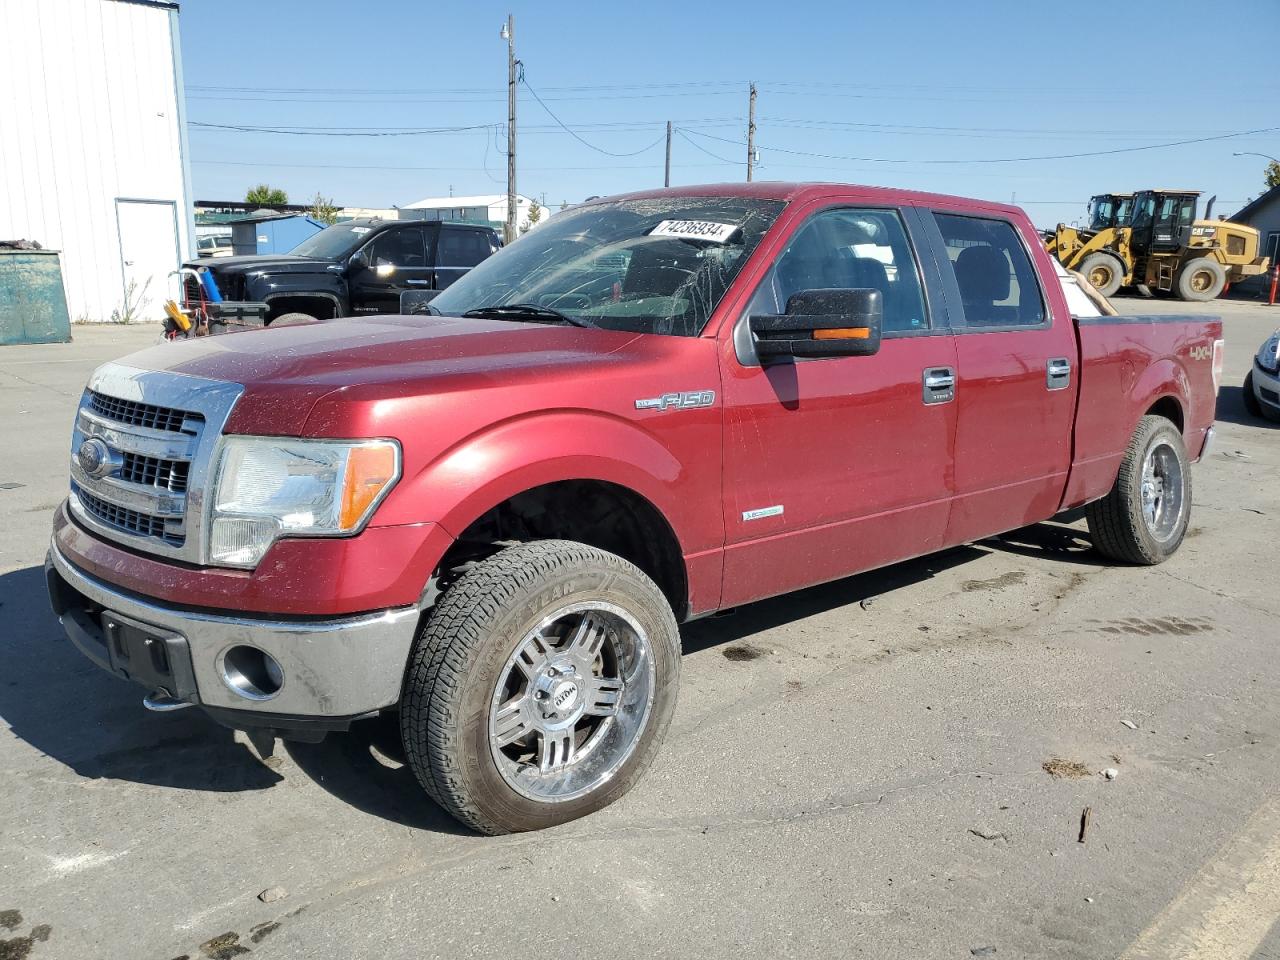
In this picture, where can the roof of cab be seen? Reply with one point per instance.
(790, 192)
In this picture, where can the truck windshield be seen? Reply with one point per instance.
(659, 265)
(333, 243)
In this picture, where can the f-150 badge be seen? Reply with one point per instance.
(678, 401)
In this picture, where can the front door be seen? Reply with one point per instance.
(1016, 378)
(840, 464)
(399, 259)
(148, 254)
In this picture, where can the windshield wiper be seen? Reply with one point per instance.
(526, 311)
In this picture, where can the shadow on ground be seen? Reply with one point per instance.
(67, 708)
(1231, 409)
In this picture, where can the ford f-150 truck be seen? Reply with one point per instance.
(491, 519)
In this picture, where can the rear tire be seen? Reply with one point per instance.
(1104, 272)
(544, 650)
(1251, 403)
(292, 319)
(1144, 518)
(1201, 279)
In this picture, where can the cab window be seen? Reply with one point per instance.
(998, 284)
(462, 247)
(849, 249)
(399, 248)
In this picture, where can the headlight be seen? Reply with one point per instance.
(269, 487)
(1269, 355)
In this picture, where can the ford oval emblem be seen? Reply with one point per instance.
(94, 457)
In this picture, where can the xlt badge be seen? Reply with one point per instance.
(678, 401)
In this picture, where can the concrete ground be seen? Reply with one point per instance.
(844, 778)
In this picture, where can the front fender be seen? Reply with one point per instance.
(267, 285)
(480, 472)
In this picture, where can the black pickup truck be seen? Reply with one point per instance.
(351, 268)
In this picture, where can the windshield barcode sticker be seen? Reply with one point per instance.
(696, 230)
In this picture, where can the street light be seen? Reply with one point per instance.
(1250, 153)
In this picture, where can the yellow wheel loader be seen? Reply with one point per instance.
(1161, 246)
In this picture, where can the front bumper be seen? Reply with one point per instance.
(334, 669)
(1266, 388)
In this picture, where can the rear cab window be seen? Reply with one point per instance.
(998, 284)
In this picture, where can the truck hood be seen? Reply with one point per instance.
(276, 263)
(368, 359)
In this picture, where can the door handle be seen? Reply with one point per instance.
(939, 385)
(1058, 373)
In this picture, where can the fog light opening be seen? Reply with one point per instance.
(251, 673)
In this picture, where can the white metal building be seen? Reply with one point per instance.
(93, 152)
(489, 206)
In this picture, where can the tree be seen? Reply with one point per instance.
(535, 214)
(265, 196)
(322, 209)
(1273, 174)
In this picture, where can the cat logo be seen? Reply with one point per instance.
(1200, 353)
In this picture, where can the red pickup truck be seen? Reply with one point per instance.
(492, 518)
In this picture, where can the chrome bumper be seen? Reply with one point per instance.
(339, 668)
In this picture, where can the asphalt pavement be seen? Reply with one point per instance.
(856, 770)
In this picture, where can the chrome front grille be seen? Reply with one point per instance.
(126, 520)
(140, 455)
(137, 414)
(168, 475)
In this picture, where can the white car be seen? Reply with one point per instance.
(1262, 385)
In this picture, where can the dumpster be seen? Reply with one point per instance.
(33, 305)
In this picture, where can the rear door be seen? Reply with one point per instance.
(838, 464)
(1016, 374)
(148, 253)
(399, 260)
(459, 249)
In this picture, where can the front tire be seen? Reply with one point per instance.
(540, 687)
(1251, 402)
(1144, 518)
(1104, 272)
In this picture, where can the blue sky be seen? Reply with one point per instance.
(855, 82)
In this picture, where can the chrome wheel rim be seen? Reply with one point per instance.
(571, 702)
(1162, 491)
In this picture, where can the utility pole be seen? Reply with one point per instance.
(751, 133)
(666, 177)
(509, 34)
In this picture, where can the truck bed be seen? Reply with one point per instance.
(1128, 365)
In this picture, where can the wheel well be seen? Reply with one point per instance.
(322, 308)
(1170, 409)
(603, 515)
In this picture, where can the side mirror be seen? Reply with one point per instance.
(821, 323)
(359, 260)
(417, 302)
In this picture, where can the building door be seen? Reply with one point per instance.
(148, 253)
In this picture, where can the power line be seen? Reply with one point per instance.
(585, 143)
(698, 146)
(302, 132)
(365, 166)
(948, 160)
